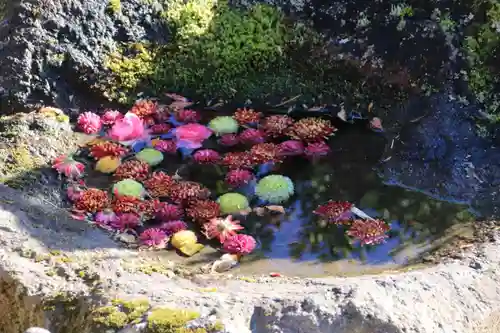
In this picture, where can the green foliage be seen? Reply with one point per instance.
(114, 6)
(483, 49)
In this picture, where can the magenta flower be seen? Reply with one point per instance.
(188, 116)
(291, 148)
(75, 190)
(153, 237)
(239, 244)
(171, 227)
(229, 140)
(128, 130)
(168, 212)
(369, 232)
(239, 177)
(206, 156)
(252, 136)
(126, 222)
(317, 149)
(89, 123)
(165, 146)
(111, 116)
(105, 217)
(191, 136)
(335, 211)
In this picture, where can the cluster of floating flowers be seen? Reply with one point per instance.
(156, 206)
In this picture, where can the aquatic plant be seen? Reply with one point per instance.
(239, 177)
(223, 125)
(274, 189)
(239, 244)
(191, 136)
(233, 203)
(111, 116)
(183, 192)
(206, 156)
(245, 116)
(133, 169)
(276, 126)
(150, 156)
(108, 164)
(174, 226)
(335, 211)
(369, 232)
(159, 184)
(128, 187)
(154, 238)
(92, 200)
(222, 228)
(252, 136)
(66, 165)
(169, 212)
(165, 146)
(311, 129)
(265, 153)
(229, 140)
(291, 148)
(202, 211)
(238, 160)
(126, 222)
(89, 123)
(316, 150)
(107, 148)
(187, 116)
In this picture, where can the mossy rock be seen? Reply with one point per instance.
(165, 320)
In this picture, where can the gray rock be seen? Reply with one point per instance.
(36, 330)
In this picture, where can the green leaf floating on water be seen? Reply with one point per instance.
(128, 187)
(150, 156)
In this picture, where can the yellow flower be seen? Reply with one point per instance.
(108, 164)
(186, 242)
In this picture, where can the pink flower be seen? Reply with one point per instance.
(153, 237)
(191, 136)
(222, 228)
(75, 190)
(128, 129)
(239, 177)
(126, 222)
(335, 211)
(105, 217)
(206, 156)
(369, 232)
(160, 128)
(252, 136)
(291, 148)
(165, 146)
(168, 212)
(239, 244)
(171, 227)
(317, 149)
(229, 140)
(188, 116)
(89, 122)
(67, 166)
(111, 116)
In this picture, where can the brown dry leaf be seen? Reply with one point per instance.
(276, 209)
(370, 107)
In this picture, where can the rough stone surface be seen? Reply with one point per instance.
(454, 297)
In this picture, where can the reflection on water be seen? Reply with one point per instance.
(299, 243)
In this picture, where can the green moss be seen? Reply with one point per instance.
(134, 309)
(114, 6)
(20, 168)
(164, 320)
(110, 317)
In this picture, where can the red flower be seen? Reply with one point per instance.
(186, 191)
(92, 200)
(246, 116)
(104, 149)
(89, 123)
(148, 208)
(171, 227)
(168, 212)
(265, 153)
(67, 166)
(317, 149)
(229, 140)
(188, 116)
(251, 136)
(206, 156)
(111, 116)
(238, 160)
(160, 129)
(202, 211)
(311, 129)
(153, 237)
(166, 146)
(126, 204)
(369, 232)
(159, 184)
(335, 211)
(276, 126)
(133, 169)
(239, 177)
(222, 228)
(239, 244)
(144, 108)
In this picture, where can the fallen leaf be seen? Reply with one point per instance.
(342, 114)
(276, 209)
(370, 107)
(208, 290)
(225, 263)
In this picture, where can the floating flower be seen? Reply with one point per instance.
(185, 191)
(274, 189)
(128, 129)
(66, 165)
(335, 211)
(233, 203)
(238, 160)
(75, 190)
(89, 123)
(126, 204)
(291, 148)
(188, 116)
(128, 187)
(165, 146)
(159, 184)
(168, 212)
(251, 136)
(202, 211)
(318, 149)
(191, 136)
(265, 153)
(172, 227)
(148, 208)
(107, 148)
(186, 242)
(108, 164)
(154, 238)
(239, 244)
(111, 116)
(126, 222)
(223, 125)
(239, 177)
(229, 140)
(105, 217)
(206, 156)
(369, 232)
(92, 201)
(246, 116)
(150, 156)
(157, 129)
(222, 228)
(311, 129)
(144, 108)
(133, 169)
(276, 126)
